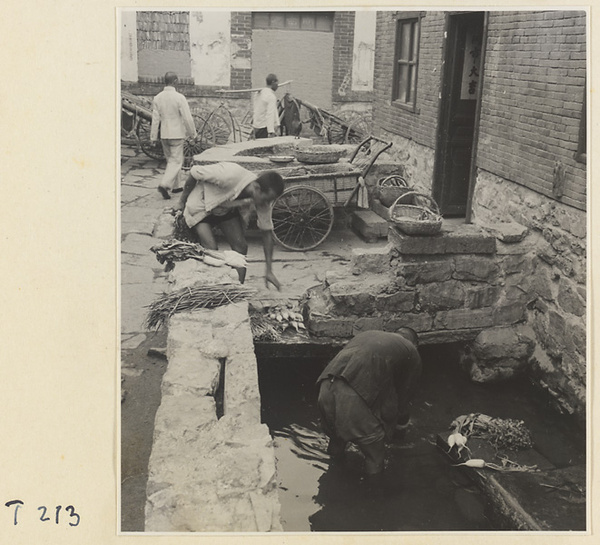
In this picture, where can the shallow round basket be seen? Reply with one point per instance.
(318, 155)
(390, 188)
(422, 218)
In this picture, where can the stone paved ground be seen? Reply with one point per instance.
(143, 279)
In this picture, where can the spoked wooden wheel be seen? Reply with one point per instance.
(151, 149)
(204, 140)
(359, 129)
(302, 218)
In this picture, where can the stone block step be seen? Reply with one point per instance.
(369, 225)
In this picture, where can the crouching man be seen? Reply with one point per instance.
(364, 394)
(214, 195)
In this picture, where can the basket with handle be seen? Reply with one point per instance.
(421, 217)
(390, 188)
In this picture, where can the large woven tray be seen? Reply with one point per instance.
(318, 155)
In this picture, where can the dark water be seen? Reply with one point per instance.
(421, 492)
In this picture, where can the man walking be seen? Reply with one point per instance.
(265, 119)
(364, 394)
(171, 114)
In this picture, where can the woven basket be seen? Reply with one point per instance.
(390, 188)
(318, 155)
(422, 218)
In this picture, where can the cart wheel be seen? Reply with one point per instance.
(302, 218)
(203, 141)
(217, 130)
(153, 150)
(359, 129)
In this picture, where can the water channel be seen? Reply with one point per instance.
(422, 491)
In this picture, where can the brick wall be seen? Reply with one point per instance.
(241, 40)
(532, 100)
(343, 52)
(163, 43)
(419, 126)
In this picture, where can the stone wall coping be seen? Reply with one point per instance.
(206, 473)
(453, 239)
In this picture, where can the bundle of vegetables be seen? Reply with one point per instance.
(176, 250)
(181, 231)
(262, 328)
(285, 316)
(209, 296)
(502, 433)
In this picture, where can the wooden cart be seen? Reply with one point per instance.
(303, 215)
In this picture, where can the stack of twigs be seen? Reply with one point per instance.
(209, 296)
(177, 250)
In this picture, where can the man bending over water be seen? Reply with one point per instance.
(364, 393)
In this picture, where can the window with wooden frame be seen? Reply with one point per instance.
(406, 60)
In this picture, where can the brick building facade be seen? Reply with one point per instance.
(490, 120)
(236, 50)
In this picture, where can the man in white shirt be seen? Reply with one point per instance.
(171, 113)
(265, 119)
(216, 194)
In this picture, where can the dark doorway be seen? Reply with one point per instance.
(461, 78)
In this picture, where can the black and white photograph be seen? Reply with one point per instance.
(331, 220)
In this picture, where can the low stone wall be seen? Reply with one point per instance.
(490, 289)
(448, 288)
(207, 473)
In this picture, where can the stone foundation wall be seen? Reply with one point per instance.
(207, 473)
(488, 288)
(416, 159)
(555, 283)
(448, 288)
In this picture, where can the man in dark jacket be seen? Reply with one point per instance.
(365, 390)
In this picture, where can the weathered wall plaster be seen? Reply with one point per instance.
(363, 54)
(210, 47)
(129, 71)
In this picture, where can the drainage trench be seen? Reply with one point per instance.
(422, 491)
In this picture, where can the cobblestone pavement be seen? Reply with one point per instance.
(143, 278)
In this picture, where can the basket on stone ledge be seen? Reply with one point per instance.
(420, 218)
(318, 154)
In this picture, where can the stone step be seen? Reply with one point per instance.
(369, 225)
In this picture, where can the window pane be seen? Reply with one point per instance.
(261, 20)
(415, 42)
(412, 83)
(277, 20)
(292, 21)
(307, 21)
(405, 41)
(402, 82)
(324, 21)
